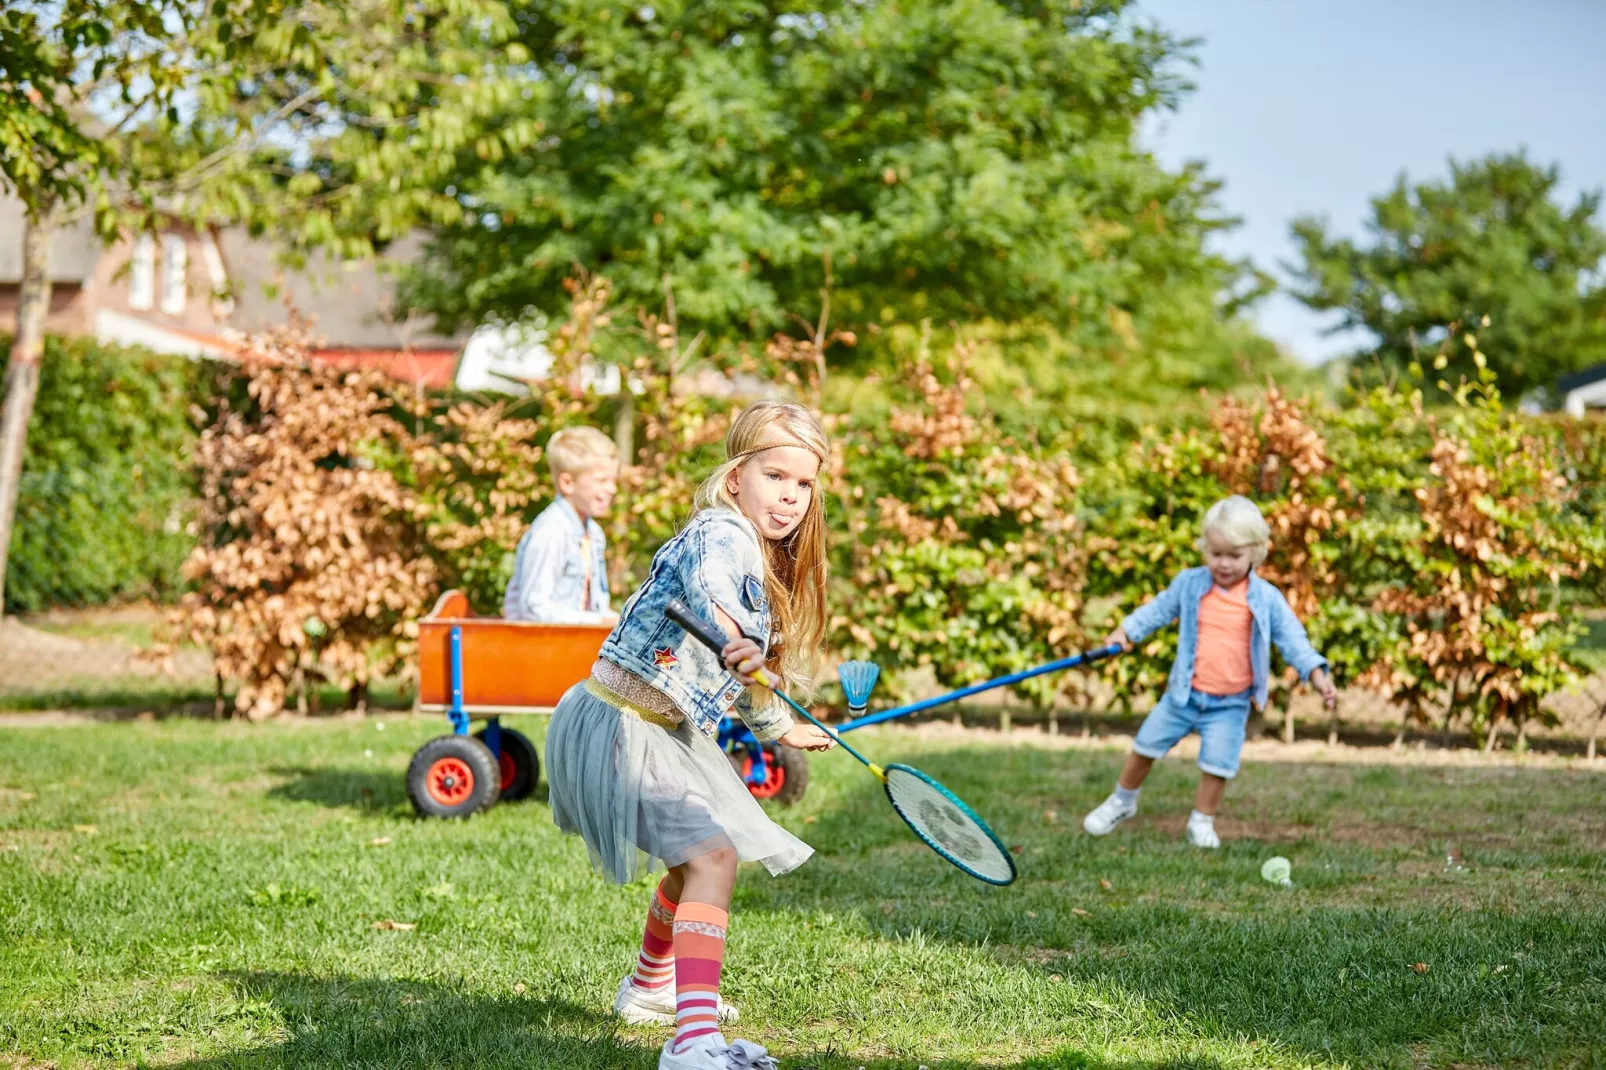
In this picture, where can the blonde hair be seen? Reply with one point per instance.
(795, 567)
(579, 449)
(1238, 520)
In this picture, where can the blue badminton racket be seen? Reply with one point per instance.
(936, 815)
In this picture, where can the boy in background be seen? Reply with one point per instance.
(559, 572)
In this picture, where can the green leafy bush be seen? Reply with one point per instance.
(106, 480)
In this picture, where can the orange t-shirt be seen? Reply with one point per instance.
(1221, 662)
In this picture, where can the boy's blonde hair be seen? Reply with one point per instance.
(794, 567)
(1238, 520)
(579, 449)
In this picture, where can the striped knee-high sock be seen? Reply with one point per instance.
(655, 966)
(699, 954)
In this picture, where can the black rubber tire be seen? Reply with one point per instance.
(453, 776)
(792, 769)
(525, 773)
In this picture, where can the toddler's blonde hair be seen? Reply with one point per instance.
(795, 567)
(1238, 520)
(575, 450)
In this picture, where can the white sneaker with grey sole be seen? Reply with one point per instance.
(715, 1054)
(1203, 835)
(639, 1006)
(1110, 813)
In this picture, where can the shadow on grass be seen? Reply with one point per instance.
(358, 789)
(333, 1023)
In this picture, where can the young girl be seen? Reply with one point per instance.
(1229, 619)
(631, 753)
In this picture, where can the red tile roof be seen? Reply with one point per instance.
(435, 369)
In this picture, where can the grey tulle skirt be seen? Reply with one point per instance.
(639, 794)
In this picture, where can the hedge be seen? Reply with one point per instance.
(106, 479)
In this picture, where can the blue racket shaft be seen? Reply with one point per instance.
(1086, 657)
(715, 640)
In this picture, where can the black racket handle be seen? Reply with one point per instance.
(696, 627)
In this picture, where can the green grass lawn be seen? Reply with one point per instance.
(204, 896)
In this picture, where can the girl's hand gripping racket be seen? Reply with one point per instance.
(935, 814)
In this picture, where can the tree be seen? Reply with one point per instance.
(1490, 262)
(319, 120)
(952, 160)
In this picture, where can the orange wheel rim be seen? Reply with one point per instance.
(450, 781)
(774, 778)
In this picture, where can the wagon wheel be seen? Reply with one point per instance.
(786, 773)
(453, 776)
(518, 762)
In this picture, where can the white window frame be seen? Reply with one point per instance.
(142, 274)
(175, 273)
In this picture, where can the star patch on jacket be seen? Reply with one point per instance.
(664, 658)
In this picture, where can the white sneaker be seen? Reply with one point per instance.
(1203, 835)
(1110, 813)
(713, 1053)
(639, 1006)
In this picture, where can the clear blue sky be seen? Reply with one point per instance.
(1314, 107)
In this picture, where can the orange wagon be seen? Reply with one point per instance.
(489, 667)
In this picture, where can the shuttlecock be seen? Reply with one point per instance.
(858, 680)
(1276, 871)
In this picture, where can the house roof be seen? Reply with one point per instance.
(73, 254)
(1589, 376)
(350, 303)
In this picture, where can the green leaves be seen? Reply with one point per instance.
(1490, 260)
(950, 157)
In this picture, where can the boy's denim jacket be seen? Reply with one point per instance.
(549, 570)
(1274, 622)
(715, 560)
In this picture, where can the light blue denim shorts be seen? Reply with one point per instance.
(1220, 721)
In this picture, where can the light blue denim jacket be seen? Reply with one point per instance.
(1274, 622)
(715, 560)
(549, 570)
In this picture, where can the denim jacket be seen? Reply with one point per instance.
(549, 570)
(715, 560)
(1274, 622)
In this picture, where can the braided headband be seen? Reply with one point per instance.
(771, 446)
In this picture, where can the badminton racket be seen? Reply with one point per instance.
(936, 815)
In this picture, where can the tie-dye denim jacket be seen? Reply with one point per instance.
(715, 560)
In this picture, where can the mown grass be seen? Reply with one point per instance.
(204, 896)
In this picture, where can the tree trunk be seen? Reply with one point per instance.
(1332, 727)
(1288, 723)
(1451, 703)
(1594, 732)
(1493, 737)
(22, 371)
(624, 422)
(1399, 737)
(1004, 723)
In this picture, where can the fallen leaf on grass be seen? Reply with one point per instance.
(399, 926)
(1420, 967)
(87, 830)
(1051, 816)
(811, 819)
(1079, 912)
(1031, 913)
(1017, 847)
(1106, 885)
(17, 794)
(1055, 977)
(379, 841)
(518, 988)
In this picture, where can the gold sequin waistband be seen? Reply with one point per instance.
(624, 705)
